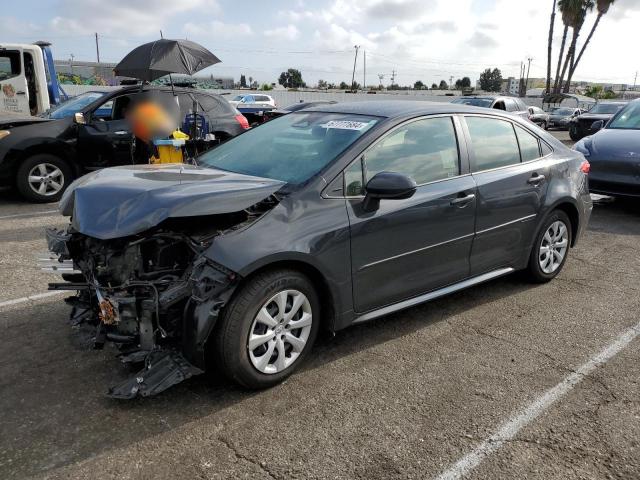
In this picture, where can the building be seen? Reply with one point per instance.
(87, 70)
(512, 86)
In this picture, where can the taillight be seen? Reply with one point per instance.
(585, 167)
(242, 120)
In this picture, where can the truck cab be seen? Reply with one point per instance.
(28, 82)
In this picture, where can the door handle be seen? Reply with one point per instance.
(463, 201)
(534, 180)
(121, 132)
(21, 93)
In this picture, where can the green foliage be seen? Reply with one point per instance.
(491, 80)
(419, 85)
(443, 85)
(322, 84)
(243, 81)
(266, 87)
(292, 78)
(434, 86)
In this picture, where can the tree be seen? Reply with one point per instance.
(458, 84)
(292, 78)
(322, 84)
(491, 80)
(567, 9)
(344, 86)
(550, 46)
(574, 14)
(466, 82)
(418, 85)
(243, 81)
(443, 85)
(602, 7)
(434, 86)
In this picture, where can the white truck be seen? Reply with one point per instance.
(28, 81)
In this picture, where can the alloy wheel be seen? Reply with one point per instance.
(46, 179)
(280, 331)
(553, 247)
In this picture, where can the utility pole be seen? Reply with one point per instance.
(393, 77)
(634, 82)
(381, 77)
(97, 48)
(526, 85)
(71, 57)
(364, 74)
(450, 81)
(353, 76)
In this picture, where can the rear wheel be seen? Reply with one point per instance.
(43, 178)
(543, 125)
(268, 328)
(551, 248)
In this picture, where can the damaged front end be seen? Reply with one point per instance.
(156, 294)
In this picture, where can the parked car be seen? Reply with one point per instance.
(614, 153)
(580, 126)
(322, 218)
(278, 112)
(559, 117)
(253, 99)
(539, 117)
(512, 105)
(42, 155)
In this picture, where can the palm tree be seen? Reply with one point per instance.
(549, 46)
(576, 24)
(602, 7)
(567, 8)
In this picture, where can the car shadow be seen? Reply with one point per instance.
(615, 215)
(55, 412)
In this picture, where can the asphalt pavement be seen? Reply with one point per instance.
(503, 380)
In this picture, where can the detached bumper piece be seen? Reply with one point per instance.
(162, 370)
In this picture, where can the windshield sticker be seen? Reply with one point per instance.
(346, 125)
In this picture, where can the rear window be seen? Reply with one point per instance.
(493, 142)
(474, 102)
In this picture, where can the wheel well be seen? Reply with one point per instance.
(324, 292)
(574, 217)
(49, 148)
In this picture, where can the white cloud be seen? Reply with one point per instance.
(218, 29)
(290, 32)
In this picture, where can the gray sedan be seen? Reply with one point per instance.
(319, 219)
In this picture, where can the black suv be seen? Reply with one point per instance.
(580, 126)
(42, 155)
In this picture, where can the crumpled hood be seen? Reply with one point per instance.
(121, 201)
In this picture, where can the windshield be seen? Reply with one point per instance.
(74, 105)
(606, 108)
(476, 102)
(291, 148)
(627, 119)
(562, 111)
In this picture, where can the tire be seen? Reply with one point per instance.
(544, 126)
(540, 268)
(239, 324)
(56, 175)
(574, 133)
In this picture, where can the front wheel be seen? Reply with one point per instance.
(268, 328)
(43, 178)
(544, 126)
(551, 248)
(574, 133)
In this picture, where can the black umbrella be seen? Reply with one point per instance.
(162, 57)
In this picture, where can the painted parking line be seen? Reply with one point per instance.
(31, 298)
(28, 215)
(528, 414)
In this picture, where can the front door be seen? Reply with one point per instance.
(411, 246)
(106, 140)
(14, 95)
(512, 181)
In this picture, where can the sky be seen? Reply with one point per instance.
(426, 40)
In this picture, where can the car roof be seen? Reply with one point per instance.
(148, 88)
(401, 108)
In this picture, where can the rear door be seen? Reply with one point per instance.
(511, 177)
(13, 83)
(411, 246)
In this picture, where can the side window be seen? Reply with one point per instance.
(104, 111)
(494, 143)
(353, 180)
(510, 105)
(499, 105)
(546, 149)
(9, 64)
(425, 150)
(529, 148)
(208, 104)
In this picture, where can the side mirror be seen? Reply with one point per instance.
(597, 125)
(387, 185)
(78, 117)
